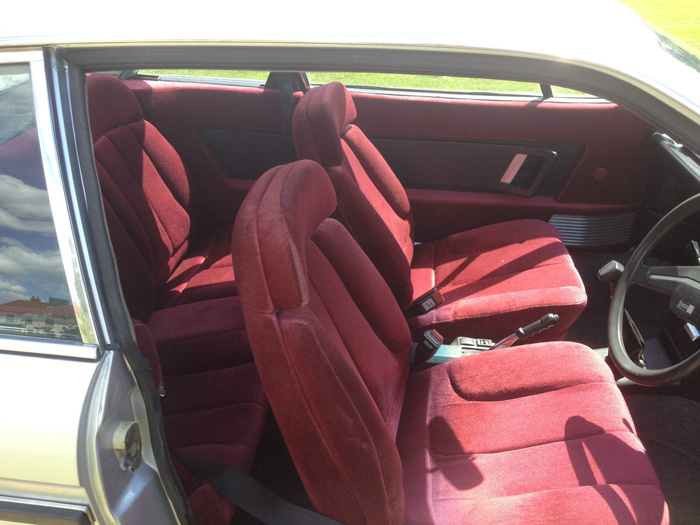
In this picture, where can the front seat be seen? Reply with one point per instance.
(537, 434)
(494, 279)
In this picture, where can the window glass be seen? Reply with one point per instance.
(259, 76)
(34, 296)
(479, 86)
(566, 92)
(441, 83)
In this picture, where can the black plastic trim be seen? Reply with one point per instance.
(683, 157)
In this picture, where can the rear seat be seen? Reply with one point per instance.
(153, 208)
(179, 287)
(169, 267)
(217, 415)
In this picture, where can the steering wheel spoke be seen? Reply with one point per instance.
(680, 283)
(666, 279)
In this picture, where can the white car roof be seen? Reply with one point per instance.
(600, 34)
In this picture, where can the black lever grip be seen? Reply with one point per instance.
(547, 321)
(610, 272)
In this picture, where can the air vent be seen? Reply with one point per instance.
(600, 230)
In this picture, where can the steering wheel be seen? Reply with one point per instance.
(680, 283)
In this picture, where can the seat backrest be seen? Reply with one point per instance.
(148, 196)
(330, 343)
(372, 203)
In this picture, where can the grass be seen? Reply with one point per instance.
(446, 83)
(679, 18)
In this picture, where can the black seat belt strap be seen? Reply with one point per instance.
(250, 495)
(284, 84)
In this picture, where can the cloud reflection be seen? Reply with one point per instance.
(24, 207)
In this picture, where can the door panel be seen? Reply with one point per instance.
(472, 165)
(466, 146)
(580, 158)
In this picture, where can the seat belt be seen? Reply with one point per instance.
(285, 87)
(249, 494)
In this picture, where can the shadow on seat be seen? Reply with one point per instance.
(495, 278)
(506, 436)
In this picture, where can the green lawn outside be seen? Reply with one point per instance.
(679, 18)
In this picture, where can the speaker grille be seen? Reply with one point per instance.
(600, 230)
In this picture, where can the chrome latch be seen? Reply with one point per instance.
(126, 441)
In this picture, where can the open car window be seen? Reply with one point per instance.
(213, 76)
(444, 85)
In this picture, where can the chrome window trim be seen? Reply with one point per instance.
(33, 507)
(58, 191)
(48, 347)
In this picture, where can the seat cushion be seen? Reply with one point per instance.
(496, 279)
(206, 272)
(216, 416)
(201, 336)
(483, 439)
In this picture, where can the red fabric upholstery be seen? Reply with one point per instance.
(535, 434)
(496, 278)
(182, 110)
(216, 415)
(450, 212)
(330, 363)
(179, 280)
(375, 208)
(625, 158)
(201, 336)
(206, 271)
(153, 208)
(338, 109)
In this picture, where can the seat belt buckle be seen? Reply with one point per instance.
(432, 340)
(426, 302)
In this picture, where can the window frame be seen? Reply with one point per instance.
(87, 347)
(547, 92)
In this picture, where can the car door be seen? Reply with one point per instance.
(79, 440)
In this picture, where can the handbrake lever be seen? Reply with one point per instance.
(543, 324)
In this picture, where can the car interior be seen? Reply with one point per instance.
(292, 256)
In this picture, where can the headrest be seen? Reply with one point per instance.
(320, 117)
(111, 104)
(273, 226)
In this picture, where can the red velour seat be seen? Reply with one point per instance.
(537, 434)
(153, 208)
(217, 415)
(178, 279)
(175, 276)
(494, 279)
